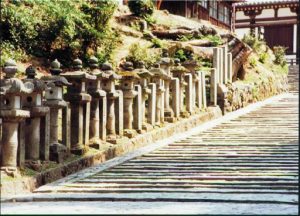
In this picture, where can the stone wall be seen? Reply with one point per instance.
(236, 95)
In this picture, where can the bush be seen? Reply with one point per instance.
(183, 54)
(254, 42)
(252, 61)
(279, 53)
(8, 51)
(141, 8)
(142, 53)
(56, 29)
(157, 43)
(215, 40)
(263, 57)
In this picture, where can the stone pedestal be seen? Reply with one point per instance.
(152, 104)
(229, 67)
(176, 97)
(98, 106)
(54, 100)
(37, 126)
(159, 77)
(80, 105)
(216, 62)
(12, 114)
(225, 62)
(198, 91)
(179, 72)
(204, 103)
(189, 93)
(213, 87)
(114, 124)
(137, 112)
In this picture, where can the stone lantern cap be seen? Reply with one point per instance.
(165, 60)
(15, 87)
(178, 68)
(39, 85)
(142, 71)
(107, 71)
(128, 72)
(78, 74)
(94, 63)
(158, 72)
(10, 68)
(55, 79)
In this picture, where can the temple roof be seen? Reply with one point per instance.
(250, 3)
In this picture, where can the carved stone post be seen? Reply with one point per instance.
(54, 100)
(225, 62)
(229, 67)
(213, 87)
(114, 104)
(179, 72)
(127, 85)
(11, 93)
(216, 62)
(145, 77)
(152, 104)
(98, 105)
(165, 64)
(198, 91)
(202, 75)
(36, 127)
(80, 103)
(175, 86)
(158, 78)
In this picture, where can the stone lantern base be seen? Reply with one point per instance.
(10, 171)
(130, 133)
(147, 127)
(115, 139)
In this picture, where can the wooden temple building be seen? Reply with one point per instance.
(277, 21)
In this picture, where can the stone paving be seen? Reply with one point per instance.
(245, 165)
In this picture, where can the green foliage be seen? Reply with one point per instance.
(150, 20)
(9, 51)
(157, 43)
(137, 53)
(56, 29)
(215, 40)
(263, 57)
(279, 53)
(141, 8)
(253, 62)
(254, 42)
(186, 37)
(183, 54)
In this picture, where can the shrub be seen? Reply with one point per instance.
(9, 51)
(252, 61)
(56, 29)
(279, 53)
(142, 53)
(150, 19)
(263, 57)
(141, 8)
(157, 43)
(215, 40)
(254, 42)
(183, 54)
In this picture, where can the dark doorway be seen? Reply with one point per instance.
(280, 35)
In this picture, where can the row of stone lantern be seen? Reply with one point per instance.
(94, 109)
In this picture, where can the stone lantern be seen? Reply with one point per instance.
(193, 85)
(80, 104)
(148, 92)
(114, 110)
(158, 78)
(179, 72)
(54, 100)
(37, 126)
(129, 77)
(98, 105)
(165, 64)
(12, 90)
